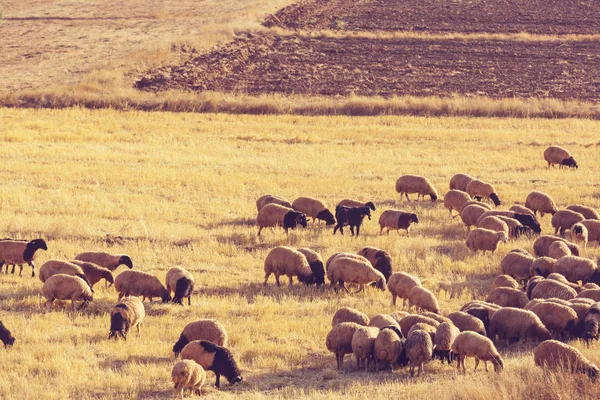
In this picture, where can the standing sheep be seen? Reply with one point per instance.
(577, 269)
(565, 219)
(347, 314)
(106, 260)
(559, 319)
(5, 336)
(407, 322)
(460, 182)
(67, 287)
(139, 283)
(593, 229)
(423, 299)
(53, 267)
(454, 200)
(19, 252)
(579, 234)
(540, 202)
(419, 350)
(181, 283)
(485, 239)
(273, 215)
(505, 281)
(514, 324)
(472, 344)
(542, 266)
(515, 228)
(388, 346)
(353, 270)
(549, 288)
(479, 189)
(339, 341)
(363, 345)
(494, 223)
(558, 249)
(187, 373)
(202, 329)
(542, 245)
(517, 265)
(270, 199)
(470, 214)
(94, 272)
(355, 203)
(316, 266)
(527, 220)
(559, 156)
(126, 315)
(445, 335)
(396, 220)
(352, 216)
(381, 320)
(380, 260)
(466, 322)
(553, 354)
(587, 212)
(314, 208)
(213, 357)
(408, 184)
(400, 285)
(284, 260)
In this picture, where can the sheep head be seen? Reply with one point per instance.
(495, 199)
(570, 162)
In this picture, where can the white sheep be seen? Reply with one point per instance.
(66, 287)
(587, 212)
(593, 294)
(53, 267)
(477, 203)
(139, 283)
(202, 329)
(380, 260)
(540, 202)
(339, 341)
(284, 260)
(419, 350)
(479, 189)
(517, 265)
(125, 315)
(510, 323)
(407, 322)
(344, 270)
(423, 299)
(19, 252)
(348, 314)
(388, 346)
(558, 249)
(542, 266)
(579, 233)
(460, 182)
(400, 285)
(270, 199)
(187, 374)
(559, 319)
(549, 288)
(593, 229)
(542, 244)
(94, 272)
(316, 266)
(181, 283)
(521, 209)
(454, 200)
(106, 260)
(314, 208)
(382, 320)
(272, 215)
(408, 184)
(576, 268)
(363, 345)
(470, 215)
(507, 297)
(559, 156)
(494, 223)
(553, 354)
(565, 219)
(485, 240)
(445, 335)
(396, 220)
(505, 281)
(472, 344)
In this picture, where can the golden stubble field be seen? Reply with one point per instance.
(180, 190)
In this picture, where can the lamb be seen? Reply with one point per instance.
(542, 245)
(396, 220)
(466, 322)
(526, 220)
(339, 341)
(472, 344)
(579, 233)
(355, 203)
(94, 272)
(470, 215)
(316, 266)
(540, 202)
(53, 267)
(202, 329)
(477, 188)
(213, 357)
(455, 199)
(577, 269)
(507, 297)
(445, 335)
(181, 283)
(352, 216)
(423, 299)
(593, 228)
(549, 288)
(517, 265)
(565, 219)
(271, 199)
(400, 285)
(284, 260)
(380, 260)
(187, 374)
(363, 345)
(106, 260)
(314, 208)
(553, 354)
(485, 239)
(505, 281)
(408, 184)
(558, 319)
(460, 182)
(347, 314)
(382, 320)
(587, 212)
(494, 224)
(593, 294)
(19, 252)
(513, 323)
(419, 350)
(126, 315)
(5, 336)
(559, 156)
(272, 215)
(66, 287)
(344, 270)
(558, 249)
(388, 346)
(542, 266)
(407, 322)
(139, 283)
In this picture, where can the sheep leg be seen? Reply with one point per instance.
(218, 381)
(406, 194)
(394, 299)
(339, 358)
(420, 369)
(32, 268)
(139, 329)
(476, 364)
(357, 363)
(343, 285)
(49, 304)
(190, 300)
(259, 229)
(120, 296)
(277, 280)
(267, 275)
(291, 281)
(21, 270)
(485, 365)
(357, 229)
(351, 230)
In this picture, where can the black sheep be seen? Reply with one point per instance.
(213, 358)
(183, 288)
(530, 221)
(352, 216)
(5, 336)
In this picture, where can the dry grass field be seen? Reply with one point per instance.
(179, 190)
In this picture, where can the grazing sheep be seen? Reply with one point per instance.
(94, 272)
(388, 346)
(67, 287)
(213, 357)
(202, 329)
(5, 336)
(400, 285)
(363, 345)
(531, 284)
(445, 335)
(558, 249)
(187, 373)
(494, 224)
(314, 208)
(477, 203)
(540, 202)
(316, 266)
(483, 314)
(559, 156)
(460, 182)
(455, 199)
(515, 228)
(565, 219)
(517, 265)
(542, 266)
(344, 270)
(339, 341)
(549, 288)
(559, 277)
(139, 283)
(407, 322)
(587, 212)
(505, 281)
(514, 324)
(381, 320)
(423, 327)
(559, 319)
(479, 189)
(355, 203)
(507, 297)
(408, 184)
(581, 307)
(521, 209)
(352, 216)
(273, 215)
(553, 354)
(466, 322)
(271, 199)
(347, 314)
(423, 299)
(181, 283)
(419, 350)
(284, 260)
(470, 215)
(593, 229)
(396, 220)
(19, 252)
(579, 234)
(53, 267)
(485, 240)
(577, 269)
(106, 260)
(593, 294)
(527, 220)
(542, 245)
(472, 344)
(591, 323)
(380, 260)
(126, 315)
